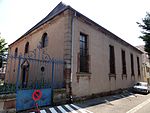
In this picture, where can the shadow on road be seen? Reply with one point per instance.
(107, 99)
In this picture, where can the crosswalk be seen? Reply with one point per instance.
(68, 108)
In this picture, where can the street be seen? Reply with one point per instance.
(125, 102)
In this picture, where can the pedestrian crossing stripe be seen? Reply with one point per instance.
(81, 109)
(62, 109)
(70, 108)
(42, 111)
(52, 110)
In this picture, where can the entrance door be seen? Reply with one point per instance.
(24, 74)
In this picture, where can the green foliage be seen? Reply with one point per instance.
(146, 32)
(3, 48)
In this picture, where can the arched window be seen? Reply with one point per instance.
(16, 52)
(26, 48)
(44, 40)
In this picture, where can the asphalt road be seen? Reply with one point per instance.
(125, 102)
(144, 109)
(122, 103)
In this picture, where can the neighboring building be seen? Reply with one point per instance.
(2, 73)
(96, 60)
(145, 64)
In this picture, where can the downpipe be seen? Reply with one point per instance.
(72, 52)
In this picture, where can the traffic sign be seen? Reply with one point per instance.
(37, 94)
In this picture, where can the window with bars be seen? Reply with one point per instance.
(123, 54)
(138, 66)
(112, 60)
(84, 57)
(132, 64)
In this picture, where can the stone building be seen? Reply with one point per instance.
(96, 60)
(145, 64)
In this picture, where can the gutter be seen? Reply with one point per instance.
(72, 53)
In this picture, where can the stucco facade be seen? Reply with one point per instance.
(56, 30)
(99, 80)
(63, 32)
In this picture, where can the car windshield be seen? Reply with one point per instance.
(141, 84)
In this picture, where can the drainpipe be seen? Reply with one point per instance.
(72, 53)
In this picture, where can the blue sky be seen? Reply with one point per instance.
(118, 16)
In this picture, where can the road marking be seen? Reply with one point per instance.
(52, 110)
(78, 108)
(62, 109)
(81, 109)
(72, 110)
(133, 110)
(42, 111)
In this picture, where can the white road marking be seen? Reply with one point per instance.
(78, 108)
(133, 110)
(52, 110)
(42, 111)
(69, 108)
(62, 109)
(81, 109)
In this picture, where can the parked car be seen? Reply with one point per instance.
(141, 87)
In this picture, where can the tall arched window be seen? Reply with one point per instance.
(44, 40)
(16, 52)
(26, 48)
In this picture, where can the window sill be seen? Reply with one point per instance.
(112, 75)
(124, 76)
(83, 74)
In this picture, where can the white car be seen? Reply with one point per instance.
(141, 87)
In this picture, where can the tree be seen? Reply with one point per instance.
(146, 32)
(3, 50)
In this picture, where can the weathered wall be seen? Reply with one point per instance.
(98, 80)
(59, 32)
(55, 29)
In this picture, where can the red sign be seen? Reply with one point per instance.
(37, 94)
